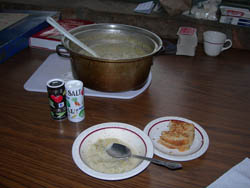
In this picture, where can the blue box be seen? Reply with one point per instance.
(15, 38)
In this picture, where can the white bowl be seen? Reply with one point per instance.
(128, 134)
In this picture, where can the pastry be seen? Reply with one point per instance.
(179, 136)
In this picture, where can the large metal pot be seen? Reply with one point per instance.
(112, 74)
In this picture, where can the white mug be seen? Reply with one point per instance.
(215, 42)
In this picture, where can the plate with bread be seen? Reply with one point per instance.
(177, 138)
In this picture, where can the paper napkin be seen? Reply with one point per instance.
(237, 177)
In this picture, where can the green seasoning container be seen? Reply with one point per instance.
(57, 99)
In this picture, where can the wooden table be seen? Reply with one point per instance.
(35, 151)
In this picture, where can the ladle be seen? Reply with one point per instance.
(121, 151)
(52, 22)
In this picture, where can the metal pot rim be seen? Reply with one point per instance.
(109, 26)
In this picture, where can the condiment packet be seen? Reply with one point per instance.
(187, 41)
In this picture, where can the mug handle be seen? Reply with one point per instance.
(228, 46)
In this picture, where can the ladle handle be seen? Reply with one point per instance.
(52, 22)
(170, 165)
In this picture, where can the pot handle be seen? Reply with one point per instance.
(167, 48)
(62, 51)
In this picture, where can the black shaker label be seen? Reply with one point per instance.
(57, 99)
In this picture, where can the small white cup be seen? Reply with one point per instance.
(215, 42)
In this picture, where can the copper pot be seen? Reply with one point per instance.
(126, 55)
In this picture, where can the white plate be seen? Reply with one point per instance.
(124, 132)
(198, 148)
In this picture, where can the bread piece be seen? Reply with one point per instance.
(179, 136)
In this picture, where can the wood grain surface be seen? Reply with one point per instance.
(35, 151)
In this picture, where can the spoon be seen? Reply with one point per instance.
(52, 22)
(121, 151)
